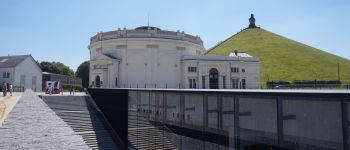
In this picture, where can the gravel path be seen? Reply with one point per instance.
(33, 125)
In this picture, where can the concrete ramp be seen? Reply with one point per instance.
(31, 124)
(81, 115)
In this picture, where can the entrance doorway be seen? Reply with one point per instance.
(213, 78)
(98, 81)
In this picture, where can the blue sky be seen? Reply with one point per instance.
(59, 30)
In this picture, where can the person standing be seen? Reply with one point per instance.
(4, 89)
(10, 89)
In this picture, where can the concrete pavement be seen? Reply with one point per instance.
(33, 125)
(6, 105)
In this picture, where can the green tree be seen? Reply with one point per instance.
(83, 73)
(56, 67)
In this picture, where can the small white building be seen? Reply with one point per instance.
(148, 57)
(20, 71)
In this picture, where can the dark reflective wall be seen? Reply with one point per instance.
(197, 119)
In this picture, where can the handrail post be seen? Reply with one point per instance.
(279, 121)
(345, 124)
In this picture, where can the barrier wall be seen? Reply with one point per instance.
(233, 119)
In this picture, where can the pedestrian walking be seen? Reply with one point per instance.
(10, 89)
(4, 89)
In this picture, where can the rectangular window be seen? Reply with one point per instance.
(235, 69)
(243, 70)
(234, 83)
(223, 82)
(192, 83)
(5, 75)
(203, 82)
(192, 69)
(243, 84)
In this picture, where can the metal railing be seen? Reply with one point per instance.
(15, 89)
(230, 86)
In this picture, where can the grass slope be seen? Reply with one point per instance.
(285, 59)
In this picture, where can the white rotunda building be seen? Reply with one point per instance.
(148, 57)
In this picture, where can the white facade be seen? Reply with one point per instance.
(153, 58)
(21, 71)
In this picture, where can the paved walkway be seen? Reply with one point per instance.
(33, 125)
(6, 105)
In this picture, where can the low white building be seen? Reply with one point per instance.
(20, 71)
(148, 57)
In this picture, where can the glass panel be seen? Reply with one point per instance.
(173, 108)
(132, 100)
(145, 104)
(257, 121)
(153, 106)
(193, 110)
(171, 140)
(211, 146)
(160, 110)
(314, 122)
(347, 103)
(133, 117)
(143, 131)
(213, 111)
(192, 144)
(228, 119)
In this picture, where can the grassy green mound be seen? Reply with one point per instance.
(285, 59)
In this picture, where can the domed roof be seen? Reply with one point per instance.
(147, 28)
